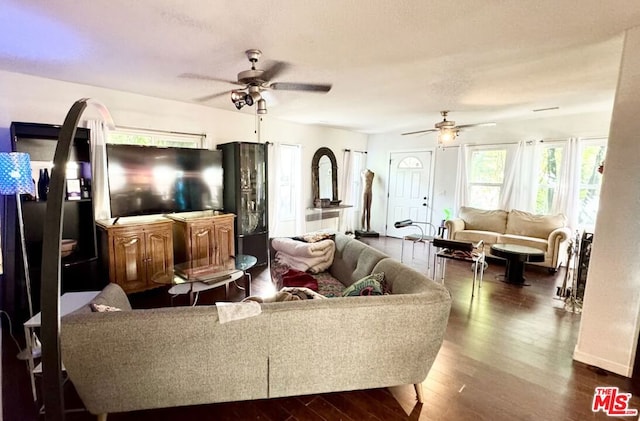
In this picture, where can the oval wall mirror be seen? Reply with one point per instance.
(324, 175)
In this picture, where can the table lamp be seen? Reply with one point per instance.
(15, 179)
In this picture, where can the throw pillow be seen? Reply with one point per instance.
(369, 285)
(102, 308)
(314, 237)
(298, 278)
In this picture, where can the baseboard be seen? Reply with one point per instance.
(617, 368)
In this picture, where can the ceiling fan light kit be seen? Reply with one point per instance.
(447, 129)
(262, 106)
(256, 81)
(446, 135)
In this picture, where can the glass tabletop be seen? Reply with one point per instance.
(515, 249)
(245, 261)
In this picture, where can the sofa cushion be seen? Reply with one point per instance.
(530, 225)
(475, 236)
(520, 240)
(369, 285)
(483, 220)
(353, 260)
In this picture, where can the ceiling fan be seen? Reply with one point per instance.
(255, 81)
(448, 129)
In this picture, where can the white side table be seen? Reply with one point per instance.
(69, 302)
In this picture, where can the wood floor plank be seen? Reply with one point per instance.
(328, 411)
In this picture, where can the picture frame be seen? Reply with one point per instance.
(74, 191)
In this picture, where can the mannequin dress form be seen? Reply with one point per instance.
(367, 182)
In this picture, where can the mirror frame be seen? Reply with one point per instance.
(315, 178)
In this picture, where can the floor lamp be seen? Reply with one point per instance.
(16, 179)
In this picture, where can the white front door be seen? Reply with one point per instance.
(409, 189)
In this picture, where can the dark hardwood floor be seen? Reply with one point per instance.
(507, 355)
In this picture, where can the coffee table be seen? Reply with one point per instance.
(202, 281)
(516, 256)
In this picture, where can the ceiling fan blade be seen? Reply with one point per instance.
(421, 131)
(204, 77)
(210, 97)
(309, 87)
(464, 126)
(274, 70)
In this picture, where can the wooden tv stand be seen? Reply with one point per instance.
(140, 252)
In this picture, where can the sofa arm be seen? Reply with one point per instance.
(453, 225)
(556, 248)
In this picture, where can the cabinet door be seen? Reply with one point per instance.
(128, 263)
(202, 238)
(159, 255)
(224, 240)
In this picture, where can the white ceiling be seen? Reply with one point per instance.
(393, 64)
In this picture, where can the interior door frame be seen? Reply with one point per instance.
(432, 168)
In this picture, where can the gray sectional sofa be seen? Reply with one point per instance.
(141, 359)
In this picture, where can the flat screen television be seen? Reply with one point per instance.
(147, 180)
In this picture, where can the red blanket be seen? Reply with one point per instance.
(297, 278)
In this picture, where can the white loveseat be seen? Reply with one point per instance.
(545, 232)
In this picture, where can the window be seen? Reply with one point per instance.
(549, 166)
(410, 162)
(153, 138)
(486, 174)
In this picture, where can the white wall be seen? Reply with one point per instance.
(38, 100)
(594, 124)
(609, 327)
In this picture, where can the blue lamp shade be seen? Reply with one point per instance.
(15, 173)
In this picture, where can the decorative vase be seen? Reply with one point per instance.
(43, 184)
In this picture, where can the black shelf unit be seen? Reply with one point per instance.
(245, 195)
(79, 269)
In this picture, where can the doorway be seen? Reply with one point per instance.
(410, 187)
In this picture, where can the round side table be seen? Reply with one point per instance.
(244, 262)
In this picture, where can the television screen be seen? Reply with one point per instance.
(147, 180)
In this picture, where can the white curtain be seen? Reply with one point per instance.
(460, 198)
(285, 157)
(100, 183)
(518, 191)
(353, 163)
(565, 199)
(512, 171)
(274, 159)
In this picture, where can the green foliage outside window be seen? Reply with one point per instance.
(487, 166)
(486, 176)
